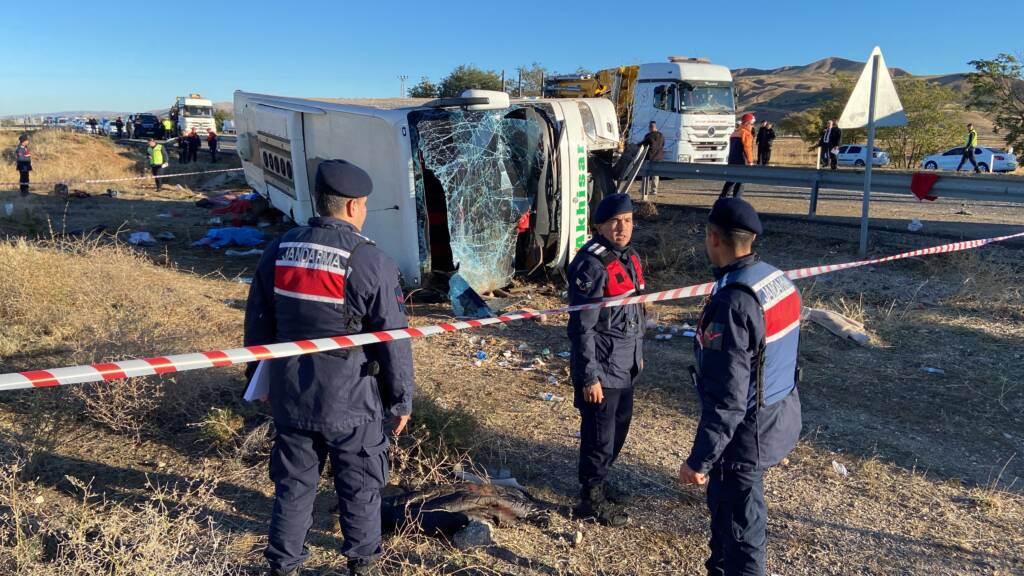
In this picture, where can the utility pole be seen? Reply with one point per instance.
(402, 79)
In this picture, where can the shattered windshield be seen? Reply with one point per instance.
(472, 180)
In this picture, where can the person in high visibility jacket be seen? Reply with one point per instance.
(168, 128)
(746, 378)
(606, 355)
(157, 160)
(969, 146)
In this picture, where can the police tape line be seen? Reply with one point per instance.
(108, 180)
(183, 362)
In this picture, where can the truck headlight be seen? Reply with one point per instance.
(684, 158)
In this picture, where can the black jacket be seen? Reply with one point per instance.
(765, 137)
(655, 146)
(732, 434)
(320, 281)
(607, 344)
(835, 138)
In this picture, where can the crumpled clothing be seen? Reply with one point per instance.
(217, 238)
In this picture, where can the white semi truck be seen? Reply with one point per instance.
(478, 184)
(691, 99)
(192, 111)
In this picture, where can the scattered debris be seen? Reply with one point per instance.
(244, 279)
(480, 355)
(476, 534)
(141, 239)
(220, 237)
(8, 208)
(165, 236)
(549, 397)
(662, 336)
(915, 225)
(840, 469)
(577, 538)
(837, 324)
(252, 252)
(216, 220)
(466, 303)
(930, 370)
(565, 355)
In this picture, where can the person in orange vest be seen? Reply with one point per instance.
(211, 141)
(741, 152)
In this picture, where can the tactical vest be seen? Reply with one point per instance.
(620, 283)
(780, 304)
(310, 269)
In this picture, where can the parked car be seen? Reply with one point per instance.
(997, 160)
(856, 155)
(148, 126)
(228, 127)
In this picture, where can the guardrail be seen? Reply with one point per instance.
(987, 188)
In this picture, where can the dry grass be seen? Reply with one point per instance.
(58, 156)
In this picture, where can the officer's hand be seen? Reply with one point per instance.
(400, 423)
(688, 476)
(593, 393)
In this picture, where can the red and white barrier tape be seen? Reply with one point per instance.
(107, 180)
(183, 362)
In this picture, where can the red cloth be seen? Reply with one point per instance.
(524, 223)
(921, 184)
(236, 207)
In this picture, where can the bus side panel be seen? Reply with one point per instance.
(573, 152)
(380, 146)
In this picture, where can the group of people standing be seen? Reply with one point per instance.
(327, 279)
(189, 144)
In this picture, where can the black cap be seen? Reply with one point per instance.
(611, 206)
(340, 178)
(733, 213)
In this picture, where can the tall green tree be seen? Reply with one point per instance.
(934, 119)
(533, 80)
(997, 89)
(934, 122)
(465, 77)
(425, 89)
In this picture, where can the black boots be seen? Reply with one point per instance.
(594, 503)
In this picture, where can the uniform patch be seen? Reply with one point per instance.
(712, 336)
(584, 285)
(401, 299)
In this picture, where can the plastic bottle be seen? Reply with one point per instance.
(549, 397)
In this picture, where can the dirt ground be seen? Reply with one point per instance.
(933, 458)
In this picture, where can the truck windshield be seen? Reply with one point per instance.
(706, 97)
(198, 112)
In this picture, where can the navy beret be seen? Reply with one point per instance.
(733, 213)
(340, 178)
(611, 206)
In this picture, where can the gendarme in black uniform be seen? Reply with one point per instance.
(607, 348)
(746, 350)
(324, 280)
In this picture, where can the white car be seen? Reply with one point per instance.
(856, 155)
(997, 160)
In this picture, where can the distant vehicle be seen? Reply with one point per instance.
(856, 155)
(108, 127)
(63, 123)
(148, 126)
(997, 160)
(691, 99)
(227, 127)
(192, 112)
(79, 125)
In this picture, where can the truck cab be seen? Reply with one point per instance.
(692, 102)
(193, 112)
(477, 184)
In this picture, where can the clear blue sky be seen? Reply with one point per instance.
(74, 55)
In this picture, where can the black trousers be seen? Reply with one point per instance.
(734, 188)
(213, 151)
(739, 518)
(828, 158)
(156, 172)
(603, 431)
(968, 155)
(764, 155)
(193, 153)
(23, 171)
(359, 463)
(183, 155)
